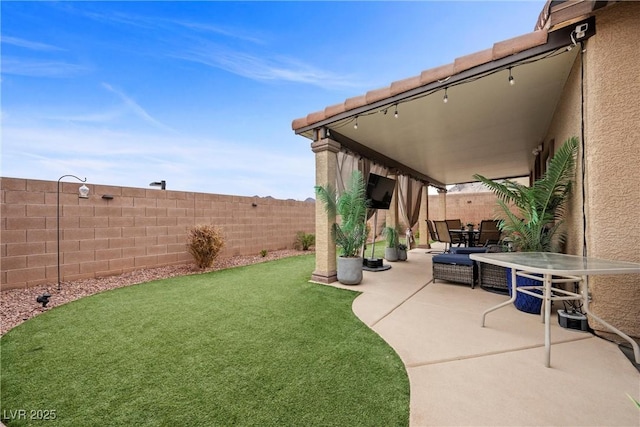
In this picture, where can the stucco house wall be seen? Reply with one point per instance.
(611, 159)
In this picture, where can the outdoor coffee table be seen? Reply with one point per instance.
(556, 268)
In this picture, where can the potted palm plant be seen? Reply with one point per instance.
(538, 227)
(391, 250)
(351, 233)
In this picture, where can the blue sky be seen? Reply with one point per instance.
(202, 94)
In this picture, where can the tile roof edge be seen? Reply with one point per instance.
(499, 50)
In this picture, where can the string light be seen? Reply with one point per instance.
(446, 97)
(396, 113)
(511, 79)
(355, 126)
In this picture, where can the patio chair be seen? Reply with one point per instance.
(443, 234)
(433, 236)
(454, 224)
(458, 238)
(489, 233)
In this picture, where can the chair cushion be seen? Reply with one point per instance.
(463, 250)
(459, 259)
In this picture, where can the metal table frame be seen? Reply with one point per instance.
(565, 268)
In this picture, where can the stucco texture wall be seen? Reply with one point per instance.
(611, 160)
(138, 228)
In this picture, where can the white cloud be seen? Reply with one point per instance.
(263, 67)
(41, 68)
(27, 44)
(136, 108)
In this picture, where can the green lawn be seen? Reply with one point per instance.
(255, 345)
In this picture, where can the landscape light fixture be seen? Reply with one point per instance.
(83, 193)
(43, 299)
(162, 184)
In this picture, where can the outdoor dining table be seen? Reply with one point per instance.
(556, 268)
(468, 235)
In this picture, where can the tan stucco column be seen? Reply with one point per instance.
(422, 219)
(326, 169)
(442, 199)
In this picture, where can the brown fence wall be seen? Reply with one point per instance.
(468, 207)
(138, 228)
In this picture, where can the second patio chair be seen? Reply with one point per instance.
(489, 233)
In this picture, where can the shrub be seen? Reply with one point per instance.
(263, 253)
(204, 242)
(304, 241)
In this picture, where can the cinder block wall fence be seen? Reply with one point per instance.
(138, 228)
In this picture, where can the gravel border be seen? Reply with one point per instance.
(19, 305)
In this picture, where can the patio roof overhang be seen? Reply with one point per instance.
(488, 126)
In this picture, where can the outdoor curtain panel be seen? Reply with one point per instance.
(409, 193)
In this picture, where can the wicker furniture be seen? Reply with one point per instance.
(458, 268)
(493, 278)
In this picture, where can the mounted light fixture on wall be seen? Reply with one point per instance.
(162, 184)
(83, 193)
(537, 150)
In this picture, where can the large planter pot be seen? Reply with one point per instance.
(350, 270)
(391, 254)
(524, 302)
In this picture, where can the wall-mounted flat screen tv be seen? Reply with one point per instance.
(379, 191)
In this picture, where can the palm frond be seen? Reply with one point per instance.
(541, 207)
(351, 206)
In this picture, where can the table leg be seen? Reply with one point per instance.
(585, 298)
(547, 316)
(510, 301)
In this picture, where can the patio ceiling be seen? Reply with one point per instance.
(487, 126)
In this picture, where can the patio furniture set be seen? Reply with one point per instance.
(455, 265)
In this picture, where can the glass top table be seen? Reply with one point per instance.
(550, 266)
(561, 264)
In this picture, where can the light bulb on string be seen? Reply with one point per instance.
(396, 113)
(355, 126)
(512, 81)
(446, 97)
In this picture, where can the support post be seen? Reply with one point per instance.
(422, 219)
(325, 150)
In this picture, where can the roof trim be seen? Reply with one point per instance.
(517, 48)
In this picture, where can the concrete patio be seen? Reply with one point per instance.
(463, 374)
